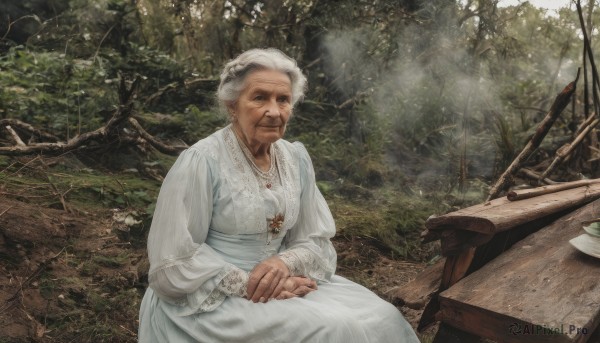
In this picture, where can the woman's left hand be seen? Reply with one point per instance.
(296, 286)
(266, 279)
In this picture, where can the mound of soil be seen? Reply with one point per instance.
(66, 277)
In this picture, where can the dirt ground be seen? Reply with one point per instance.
(79, 277)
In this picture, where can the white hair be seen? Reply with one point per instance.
(235, 72)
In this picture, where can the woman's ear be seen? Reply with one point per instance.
(231, 111)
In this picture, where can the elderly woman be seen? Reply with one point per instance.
(239, 246)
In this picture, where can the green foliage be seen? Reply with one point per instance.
(393, 220)
(46, 89)
(111, 261)
(190, 126)
(86, 190)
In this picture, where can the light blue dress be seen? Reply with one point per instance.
(215, 220)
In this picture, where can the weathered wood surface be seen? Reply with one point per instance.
(461, 265)
(541, 283)
(501, 214)
(417, 293)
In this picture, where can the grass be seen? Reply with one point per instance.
(392, 219)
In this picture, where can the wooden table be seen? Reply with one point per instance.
(540, 290)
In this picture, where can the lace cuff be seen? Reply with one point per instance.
(231, 281)
(302, 262)
(235, 283)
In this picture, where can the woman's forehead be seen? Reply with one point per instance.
(267, 79)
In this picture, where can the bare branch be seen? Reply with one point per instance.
(158, 145)
(11, 23)
(126, 96)
(15, 123)
(15, 136)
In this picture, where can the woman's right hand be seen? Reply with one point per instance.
(296, 286)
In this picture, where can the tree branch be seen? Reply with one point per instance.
(124, 110)
(158, 145)
(15, 136)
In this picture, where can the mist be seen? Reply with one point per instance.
(446, 96)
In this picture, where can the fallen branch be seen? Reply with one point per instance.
(534, 192)
(561, 101)
(585, 124)
(15, 123)
(158, 145)
(156, 96)
(568, 148)
(18, 141)
(535, 176)
(113, 132)
(121, 114)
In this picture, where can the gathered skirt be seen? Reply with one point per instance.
(339, 311)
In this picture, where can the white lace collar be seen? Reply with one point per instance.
(250, 183)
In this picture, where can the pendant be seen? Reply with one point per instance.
(268, 185)
(275, 224)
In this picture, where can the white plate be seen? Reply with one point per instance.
(587, 244)
(593, 229)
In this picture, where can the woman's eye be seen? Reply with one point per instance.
(283, 99)
(259, 97)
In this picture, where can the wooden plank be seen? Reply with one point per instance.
(501, 214)
(449, 334)
(456, 268)
(495, 326)
(460, 262)
(416, 293)
(541, 282)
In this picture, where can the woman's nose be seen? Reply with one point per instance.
(272, 109)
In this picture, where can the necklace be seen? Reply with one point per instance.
(264, 178)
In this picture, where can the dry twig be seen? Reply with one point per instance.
(3, 212)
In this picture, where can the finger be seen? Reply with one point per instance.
(255, 277)
(286, 295)
(279, 288)
(265, 286)
(273, 285)
(302, 291)
(308, 283)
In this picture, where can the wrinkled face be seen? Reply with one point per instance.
(263, 107)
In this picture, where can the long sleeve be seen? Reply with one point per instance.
(183, 269)
(308, 250)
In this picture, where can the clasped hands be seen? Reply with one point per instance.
(271, 279)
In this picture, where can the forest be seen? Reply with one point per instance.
(414, 108)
